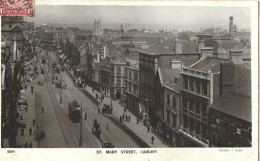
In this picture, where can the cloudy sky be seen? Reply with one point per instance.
(159, 15)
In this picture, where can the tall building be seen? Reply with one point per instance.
(160, 55)
(97, 27)
(132, 86)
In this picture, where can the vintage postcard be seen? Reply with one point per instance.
(160, 80)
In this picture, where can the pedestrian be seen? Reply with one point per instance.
(26, 145)
(30, 145)
(148, 128)
(34, 122)
(98, 110)
(137, 120)
(96, 96)
(32, 89)
(152, 139)
(125, 110)
(22, 131)
(30, 130)
(123, 117)
(126, 118)
(129, 118)
(42, 109)
(86, 116)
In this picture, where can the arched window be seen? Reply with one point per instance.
(217, 120)
(238, 128)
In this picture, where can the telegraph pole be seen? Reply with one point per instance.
(80, 137)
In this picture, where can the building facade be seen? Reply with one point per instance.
(132, 87)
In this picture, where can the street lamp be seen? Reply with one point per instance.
(60, 87)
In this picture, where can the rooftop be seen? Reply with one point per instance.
(235, 105)
(168, 47)
(168, 76)
(209, 64)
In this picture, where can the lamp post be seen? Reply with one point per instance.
(80, 135)
(60, 87)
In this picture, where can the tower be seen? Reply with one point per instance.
(97, 27)
(231, 31)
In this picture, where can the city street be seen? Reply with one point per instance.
(60, 130)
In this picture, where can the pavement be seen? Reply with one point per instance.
(139, 129)
(28, 117)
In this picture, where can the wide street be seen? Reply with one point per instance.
(60, 130)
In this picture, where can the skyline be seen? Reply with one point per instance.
(185, 18)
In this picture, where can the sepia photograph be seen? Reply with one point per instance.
(127, 76)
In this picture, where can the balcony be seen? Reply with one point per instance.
(196, 73)
(194, 137)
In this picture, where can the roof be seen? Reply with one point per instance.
(209, 64)
(189, 47)
(164, 60)
(168, 47)
(235, 105)
(242, 79)
(167, 77)
(146, 34)
(229, 44)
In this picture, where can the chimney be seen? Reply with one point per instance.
(175, 64)
(178, 46)
(201, 45)
(206, 52)
(226, 86)
(236, 56)
(231, 31)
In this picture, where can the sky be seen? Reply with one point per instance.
(173, 16)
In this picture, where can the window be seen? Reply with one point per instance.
(126, 72)
(192, 84)
(191, 124)
(118, 70)
(197, 127)
(173, 101)
(129, 87)
(217, 119)
(168, 99)
(185, 102)
(185, 121)
(204, 88)
(197, 86)
(118, 81)
(135, 90)
(226, 123)
(174, 120)
(130, 75)
(136, 76)
(185, 79)
(168, 115)
(197, 107)
(191, 105)
(238, 128)
(204, 109)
